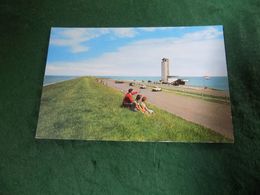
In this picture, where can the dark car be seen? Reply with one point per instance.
(178, 82)
(119, 82)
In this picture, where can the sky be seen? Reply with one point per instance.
(192, 51)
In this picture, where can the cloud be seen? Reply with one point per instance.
(148, 29)
(209, 33)
(151, 29)
(194, 54)
(75, 38)
(124, 32)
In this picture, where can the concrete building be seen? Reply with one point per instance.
(165, 71)
(172, 79)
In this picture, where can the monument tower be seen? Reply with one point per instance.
(165, 71)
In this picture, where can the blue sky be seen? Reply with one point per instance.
(193, 51)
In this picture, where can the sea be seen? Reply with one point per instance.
(50, 79)
(220, 83)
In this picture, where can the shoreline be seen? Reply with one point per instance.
(182, 88)
(47, 84)
(157, 83)
(185, 89)
(187, 80)
(139, 79)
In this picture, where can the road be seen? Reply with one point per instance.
(215, 116)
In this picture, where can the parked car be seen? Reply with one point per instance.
(143, 87)
(156, 88)
(178, 82)
(119, 82)
(131, 84)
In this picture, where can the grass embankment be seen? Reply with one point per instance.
(85, 109)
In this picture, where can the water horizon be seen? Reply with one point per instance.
(215, 82)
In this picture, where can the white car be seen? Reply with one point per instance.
(156, 88)
(142, 87)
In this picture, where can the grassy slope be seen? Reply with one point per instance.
(85, 109)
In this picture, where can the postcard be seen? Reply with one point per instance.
(155, 84)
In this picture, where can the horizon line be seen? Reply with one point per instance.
(136, 76)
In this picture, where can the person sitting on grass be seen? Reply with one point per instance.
(128, 99)
(136, 104)
(144, 107)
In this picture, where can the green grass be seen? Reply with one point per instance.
(84, 109)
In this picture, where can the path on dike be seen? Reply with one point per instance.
(215, 116)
